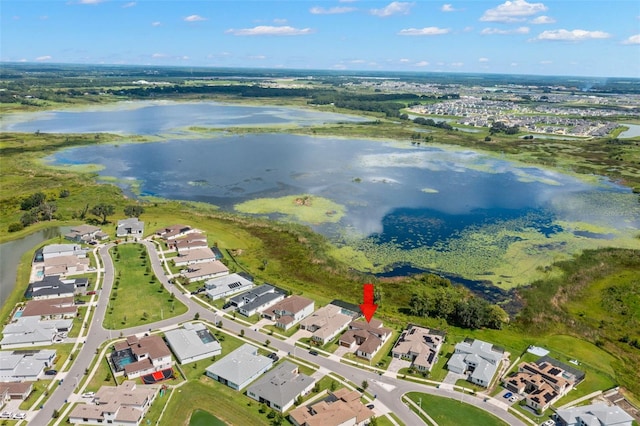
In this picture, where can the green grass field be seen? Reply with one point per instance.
(204, 418)
(449, 412)
(137, 296)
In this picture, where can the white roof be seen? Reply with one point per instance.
(186, 343)
(240, 365)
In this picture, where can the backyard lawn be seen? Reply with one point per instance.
(137, 297)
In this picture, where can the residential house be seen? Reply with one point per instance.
(65, 265)
(188, 242)
(326, 323)
(17, 366)
(53, 287)
(15, 390)
(174, 231)
(365, 337)
(480, 359)
(130, 227)
(136, 357)
(54, 250)
(543, 382)
(289, 312)
(240, 367)
(279, 388)
(341, 408)
(32, 331)
(60, 307)
(257, 299)
(192, 342)
(123, 405)
(204, 271)
(197, 255)
(218, 288)
(420, 346)
(599, 414)
(85, 234)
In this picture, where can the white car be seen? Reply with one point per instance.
(20, 416)
(6, 415)
(514, 398)
(549, 423)
(88, 394)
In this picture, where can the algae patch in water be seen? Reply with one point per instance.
(303, 208)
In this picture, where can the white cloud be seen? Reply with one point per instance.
(483, 59)
(634, 39)
(331, 10)
(427, 31)
(184, 58)
(404, 60)
(467, 29)
(156, 24)
(130, 4)
(158, 55)
(421, 64)
(258, 57)
(457, 64)
(44, 58)
(280, 21)
(512, 11)
(90, 1)
(520, 30)
(194, 18)
(543, 19)
(573, 35)
(514, 64)
(394, 8)
(448, 8)
(269, 30)
(358, 61)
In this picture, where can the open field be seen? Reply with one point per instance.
(449, 412)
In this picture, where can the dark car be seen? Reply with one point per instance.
(370, 406)
(273, 356)
(51, 372)
(226, 305)
(314, 353)
(507, 395)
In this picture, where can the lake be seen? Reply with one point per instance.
(387, 206)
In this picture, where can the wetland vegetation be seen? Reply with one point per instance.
(587, 296)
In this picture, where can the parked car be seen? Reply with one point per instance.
(514, 398)
(274, 356)
(314, 353)
(89, 293)
(549, 423)
(6, 415)
(20, 416)
(51, 372)
(80, 302)
(507, 395)
(370, 406)
(226, 305)
(88, 394)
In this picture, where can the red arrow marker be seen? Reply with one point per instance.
(368, 308)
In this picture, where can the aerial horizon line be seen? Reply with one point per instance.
(327, 70)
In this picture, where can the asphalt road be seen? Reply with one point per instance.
(388, 390)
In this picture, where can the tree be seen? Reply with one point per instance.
(332, 385)
(32, 201)
(48, 209)
(418, 305)
(298, 400)
(373, 421)
(102, 211)
(364, 385)
(267, 342)
(133, 211)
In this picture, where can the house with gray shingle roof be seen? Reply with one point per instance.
(130, 227)
(280, 388)
(480, 359)
(16, 366)
(192, 342)
(240, 367)
(599, 414)
(420, 346)
(32, 331)
(257, 299)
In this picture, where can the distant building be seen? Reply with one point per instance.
(192, 342)
(599, 414)
(122, 405)
(279, 388)
(85, 234)
(240, 367)
(130, 227)
(482, 359)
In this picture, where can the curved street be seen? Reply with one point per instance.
(388, 390)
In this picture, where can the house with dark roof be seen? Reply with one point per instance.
(192, 342)
(420, 346)
(240, 367)
(257, 299)
(341, 408)
(279, 388)
(289, 312)
(85, 233)
(477, 358)
(123, 405)
(136, 357)
(365, 337)
(54, 287)
(130, 227)
(599, 414)
(174, 231)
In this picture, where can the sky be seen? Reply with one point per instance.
(573, 37)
